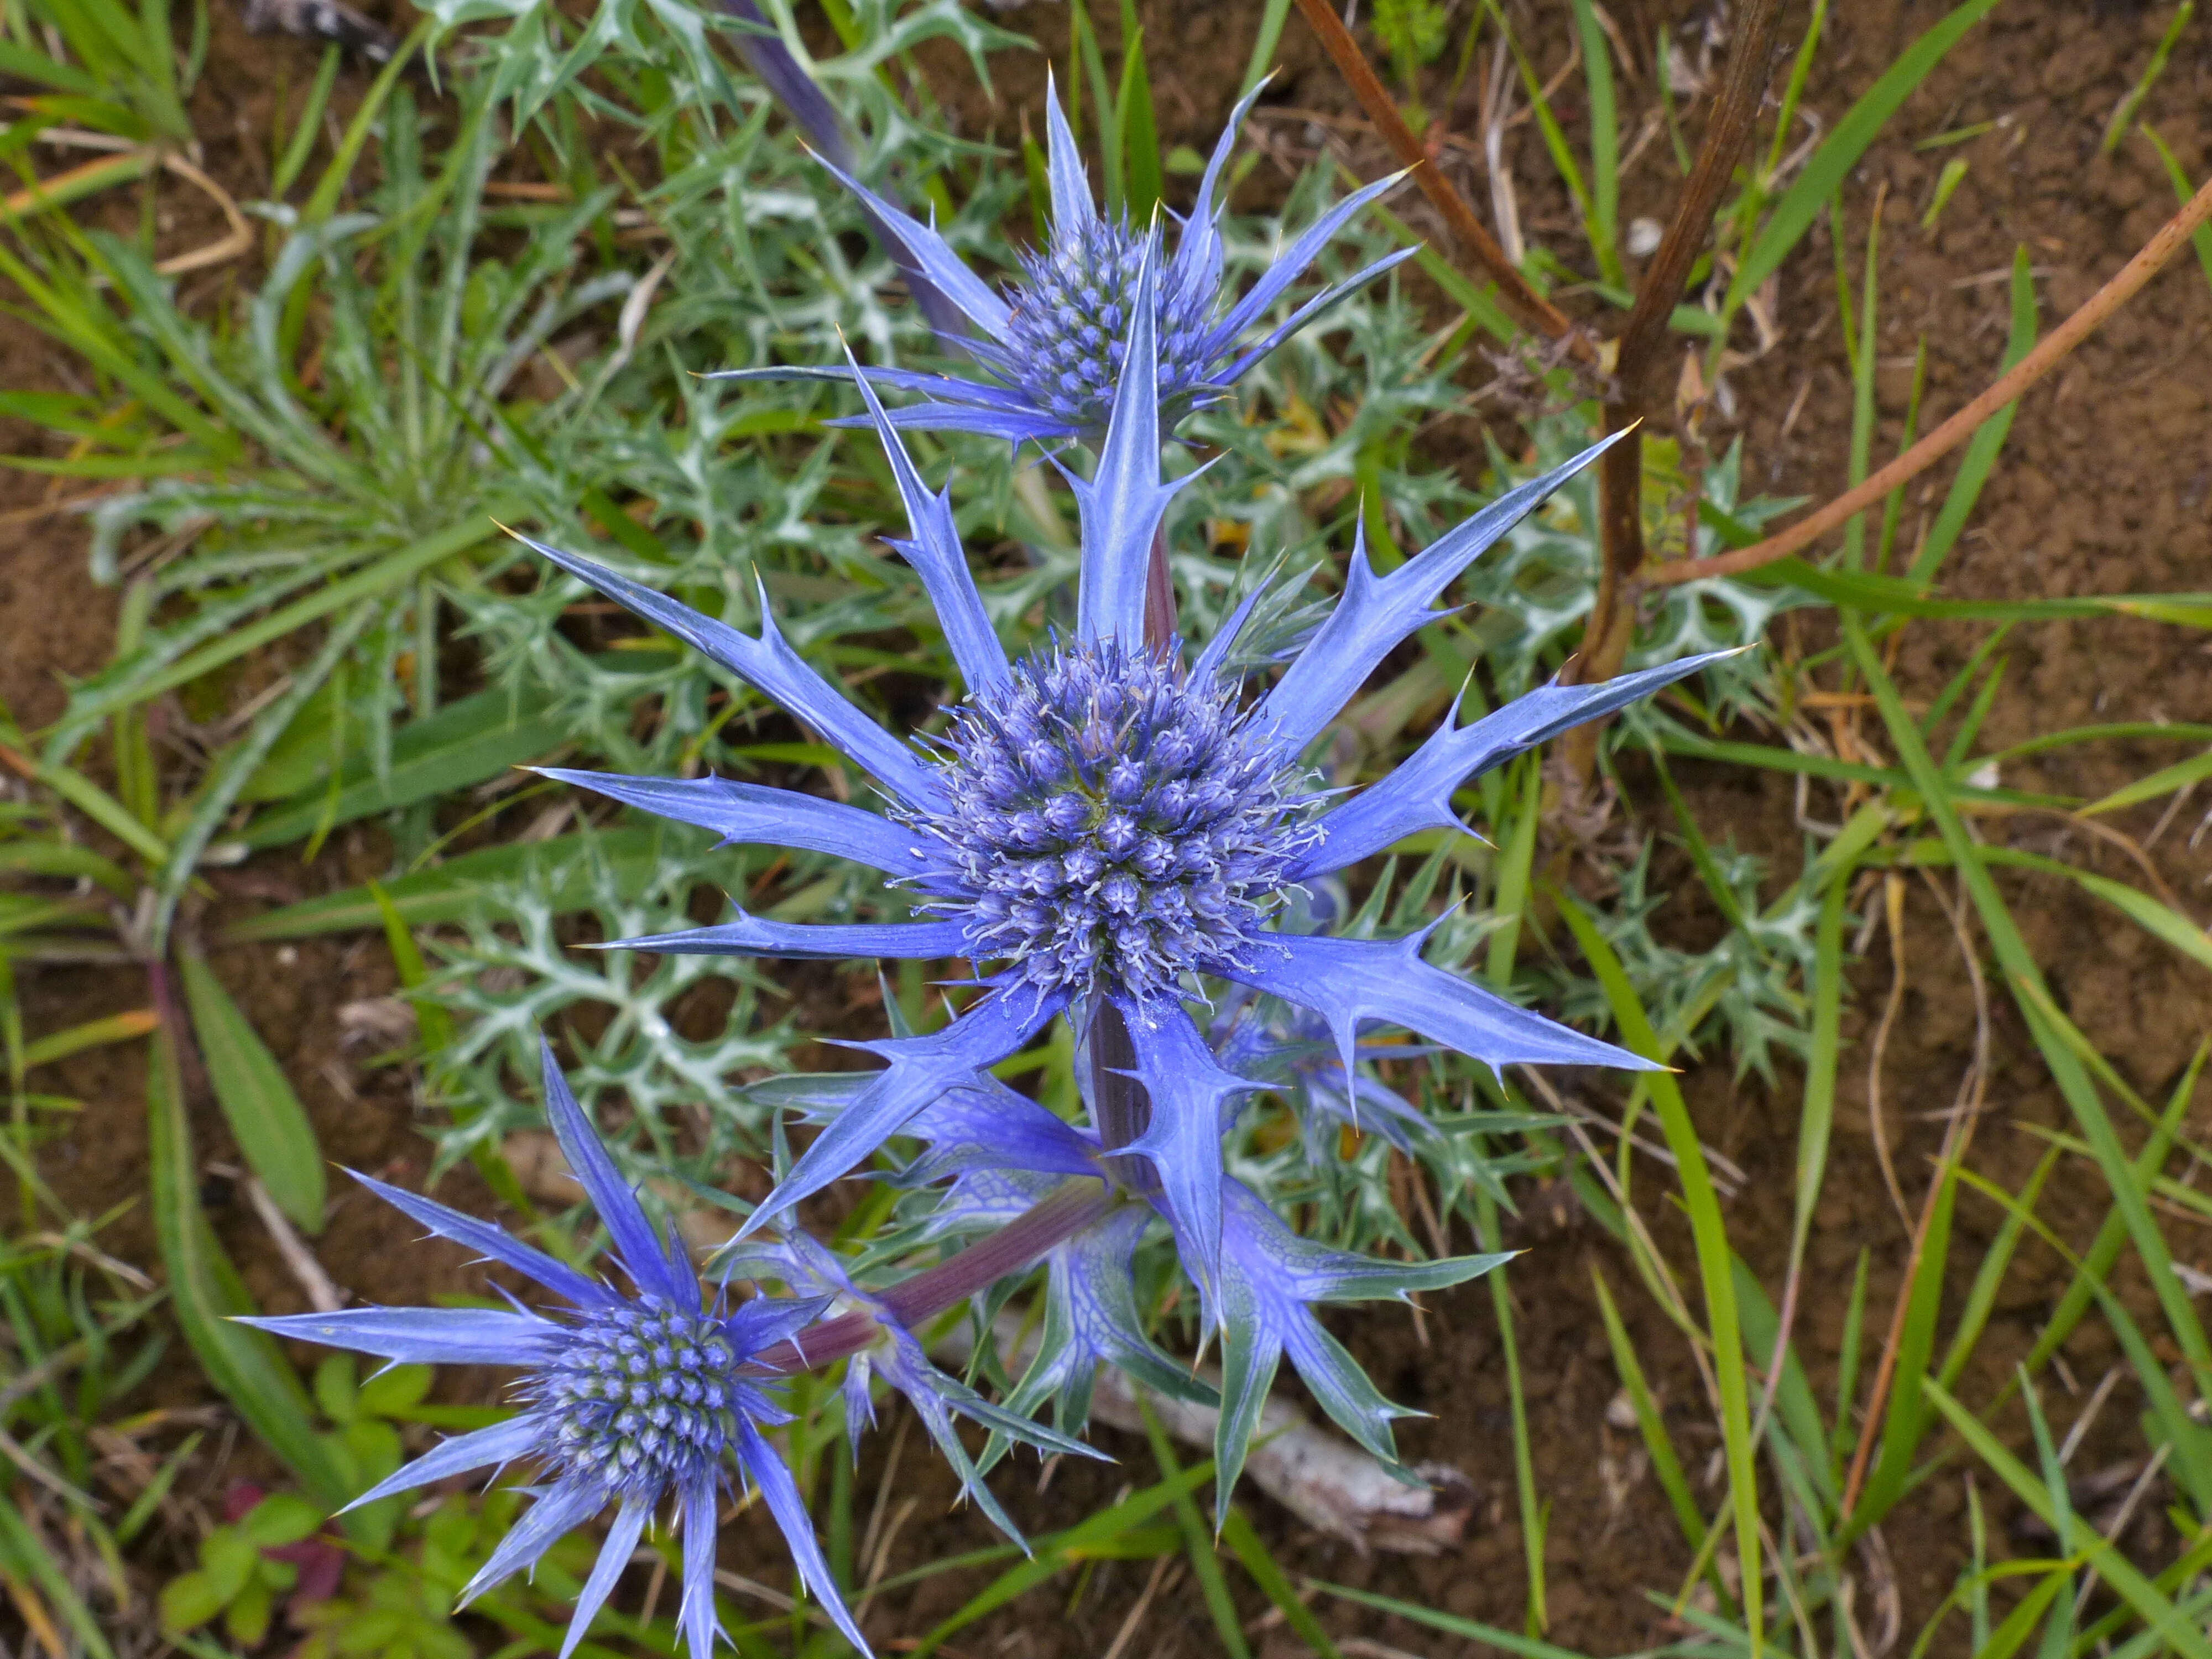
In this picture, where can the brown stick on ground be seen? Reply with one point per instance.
(1522, 302)
(2047, 356)
(1620, 469)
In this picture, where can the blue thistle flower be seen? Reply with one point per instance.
(632, 1399)
(1107, 825)
(1054, 344)
(1109, 822)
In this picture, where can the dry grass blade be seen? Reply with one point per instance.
(1893, 918)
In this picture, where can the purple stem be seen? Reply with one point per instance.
(1058, 1216)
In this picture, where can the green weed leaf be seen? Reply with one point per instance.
(266, 1118)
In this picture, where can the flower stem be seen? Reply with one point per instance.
(1119, 1106)
(1059, 1215)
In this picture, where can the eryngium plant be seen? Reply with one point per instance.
(1112, 831)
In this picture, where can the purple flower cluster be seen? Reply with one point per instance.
(1110, 823)
(630, 1399)
(1068, 326)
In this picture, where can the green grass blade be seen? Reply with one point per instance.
(393, 570)
(2021, 1623)
(2200, 238)
(1244, 1543)
(1862, 357)
(458, 747)
(1136, 132)
(265, 1117)
(25, 1558)
(1802, 1434)
(1509, 903)
(2123, 114)
(455, 888)
(1527, 1494)
(2026, 980)
(1526, 1647)
(57, 857)
(1793, 90)
(1981, 451)
(1056, 1554)
(1547, 124)
(2112, 1234)
(1708, 1233)
(1843, 1439)
(2188, 1639)
(1816, 1116)
(2161, 920)
(325, 200)
(1904, 1420)
(2164, 782)
(1264, 44)
(1990, 1276)
(289, 165)
(1082, 42)
(1205, 1563)
(91, 1033)
(1604, 223)
(1658, 1444)
(217, 793)
(88, 797)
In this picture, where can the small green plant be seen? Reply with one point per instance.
(244, 1567)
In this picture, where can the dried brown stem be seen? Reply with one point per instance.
(2047, 356)
(1522, 302)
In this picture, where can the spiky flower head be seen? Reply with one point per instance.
(1110, 823)
(1052, 346)
(1106, 822)
(1069, 324)
(641, 1395)
(636, 1399)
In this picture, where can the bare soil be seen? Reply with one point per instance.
(2106, 486)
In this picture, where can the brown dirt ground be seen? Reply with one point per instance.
(2106, 486)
